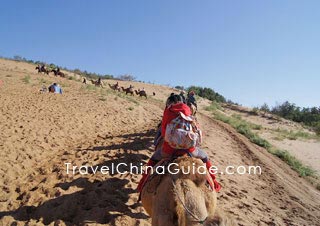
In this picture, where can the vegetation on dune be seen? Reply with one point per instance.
(26, 79)
(72, 78)
(43, 81)
(90, 75)
(208, 93)
(213, 106)
(303, 171)
(128, 97)
(89, 87)
(205, 92)
(308, 116)
(246, 128)
(243, 127)
(127, 77)
(293, 135)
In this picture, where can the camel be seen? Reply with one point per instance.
(97, 83)
(51, 89)
(115, 87)
(42, 69)
(141, 93)
(128, 90)
(58, 73)
(181, 199)
(193, 109)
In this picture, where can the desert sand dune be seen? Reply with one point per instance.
(39, 133)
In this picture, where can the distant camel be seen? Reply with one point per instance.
(115, 87)
(96, 83)
(58, 73)
(141, 93)
(128, 90)
(42, 69)
(181, 199)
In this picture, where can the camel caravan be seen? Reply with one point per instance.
(98, 83)
(184, 191)
(56, 72)
(130, 90)
(42, 69)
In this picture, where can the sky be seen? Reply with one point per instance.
(252, 52)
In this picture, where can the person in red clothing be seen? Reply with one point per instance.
(174, 106)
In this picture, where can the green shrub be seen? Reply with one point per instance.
(292, 135)
(244, 128)
(207, 93)
(91, 87)
(43, 81)
(294, 163)
(254, 111)
(214, 106)
(265, 108)
(255, 126)
(26, 79)
(316, 128)
(307, 116)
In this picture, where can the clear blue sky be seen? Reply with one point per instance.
(249, 51)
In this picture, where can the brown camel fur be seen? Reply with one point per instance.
(193, 109)
(166, 198)
(115, 87)
(51, 89)
(141, 93)
(40, 70)
(58, 73)
(128, 90)
(96, 83)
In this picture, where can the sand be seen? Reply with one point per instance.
(40, 132)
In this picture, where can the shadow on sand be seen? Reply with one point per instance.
(98, 201)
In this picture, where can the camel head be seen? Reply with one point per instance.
(180, 199)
